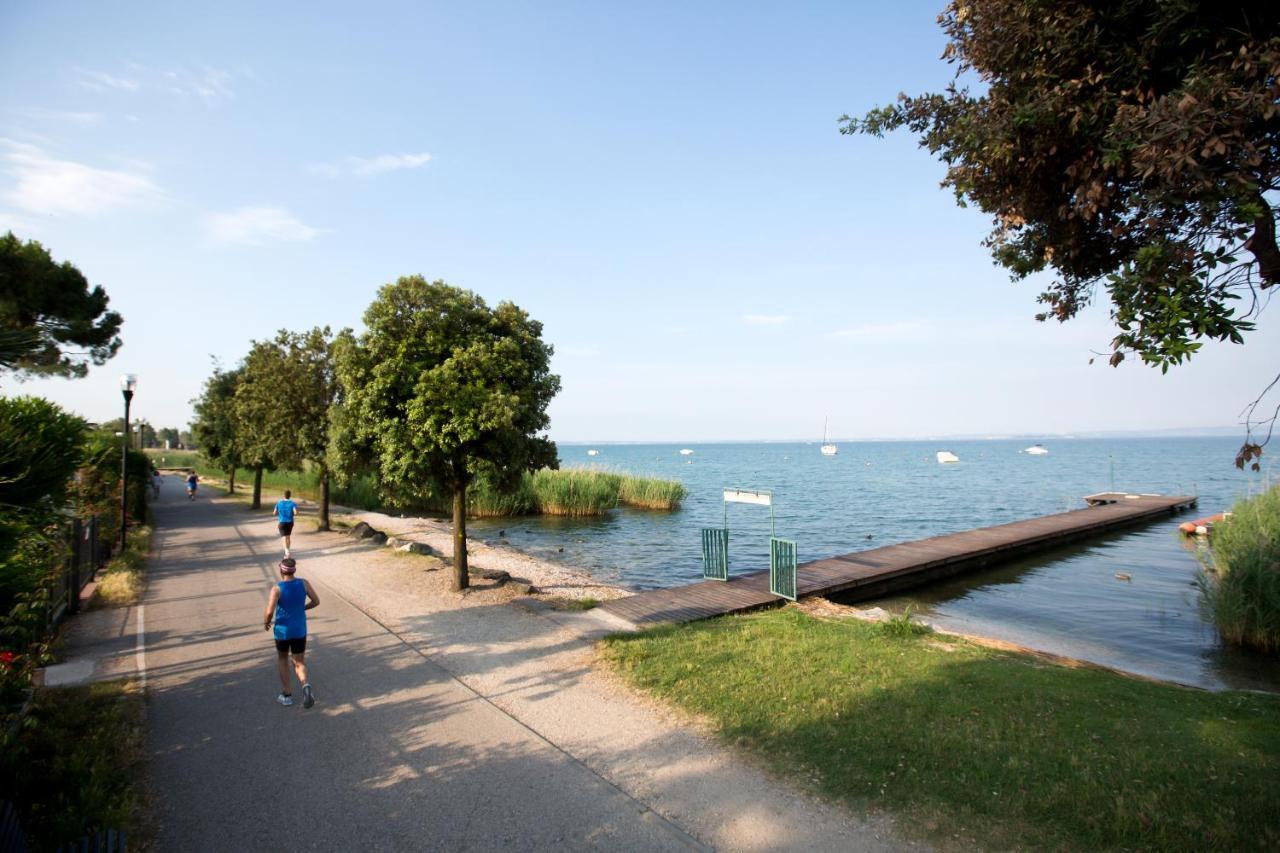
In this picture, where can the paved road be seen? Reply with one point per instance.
(397, 753)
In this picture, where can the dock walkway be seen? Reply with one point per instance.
(878, 571)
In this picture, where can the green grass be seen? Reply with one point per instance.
(1241, 586)
(970, 746)
(75, 766)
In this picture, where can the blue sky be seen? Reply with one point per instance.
(662, 185)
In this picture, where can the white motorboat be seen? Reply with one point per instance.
(946, 456)
(593, 452)
(828, 448)
(684, 451)
(1037, 450)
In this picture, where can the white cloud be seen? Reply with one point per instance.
(258, 226)
(884, 331)
(208, 84)
(765, 319)
(100, 81)
(68, 116)
(368, 166)
(47, 185)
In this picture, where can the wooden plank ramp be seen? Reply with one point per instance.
(879, 571)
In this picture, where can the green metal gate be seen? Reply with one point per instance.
(782, 568)
(715, 553)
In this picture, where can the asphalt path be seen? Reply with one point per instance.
(397, 753)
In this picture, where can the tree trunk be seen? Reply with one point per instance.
(460, 579)
(324, 497)
(1263, 246)
(231, 481)
(257, 488)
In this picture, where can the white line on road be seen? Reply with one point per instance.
(140, 648)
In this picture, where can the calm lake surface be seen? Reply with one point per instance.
(1066, 601)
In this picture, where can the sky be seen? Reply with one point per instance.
(662, 185)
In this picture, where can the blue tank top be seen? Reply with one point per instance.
(291, 613)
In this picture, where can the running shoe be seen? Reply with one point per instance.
(308, 698)
(285, 699)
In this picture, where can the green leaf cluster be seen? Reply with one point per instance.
(1133, 145)
(441, 388)
(51, 321)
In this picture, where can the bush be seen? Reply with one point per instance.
(1241, 586)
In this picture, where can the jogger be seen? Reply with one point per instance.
(285, 511)
(291, 597)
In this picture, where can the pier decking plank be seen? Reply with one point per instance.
(890, 567)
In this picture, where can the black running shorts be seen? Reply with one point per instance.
(297, 646)
(286, 528)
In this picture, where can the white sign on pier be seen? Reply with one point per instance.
(743, 496)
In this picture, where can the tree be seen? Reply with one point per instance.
(215, 424)
(168, 435)
(51, 322)
(1132, 146)
(441, 388)
(260, 413)
(283, 403)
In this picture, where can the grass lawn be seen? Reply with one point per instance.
(967, 745)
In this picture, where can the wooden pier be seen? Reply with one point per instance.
(879, 571)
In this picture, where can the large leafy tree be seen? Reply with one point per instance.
(1129, 146)
(442, 387)
(51, 321)
(215, 425)
(283, 403)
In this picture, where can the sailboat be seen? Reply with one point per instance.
(828, 448)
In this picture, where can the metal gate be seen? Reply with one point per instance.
(782, 568)
(715, 553)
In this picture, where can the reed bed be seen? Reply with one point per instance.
(1241, 588)
(650, 492)
(574, 492)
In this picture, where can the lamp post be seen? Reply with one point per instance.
(128, 382)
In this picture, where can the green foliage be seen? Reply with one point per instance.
(976, 748)
(441, 387)
(1242, 591)
(282, 403)
(50, 321)
(215, 426)
(40, 447)
(75, 766)
(1134, 145)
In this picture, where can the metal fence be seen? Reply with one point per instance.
(86, 553)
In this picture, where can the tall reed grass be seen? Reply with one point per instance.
(1241, 586)
(574, 492)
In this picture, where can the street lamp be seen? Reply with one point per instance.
(128, 382)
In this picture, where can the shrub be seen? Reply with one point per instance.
(1242, 588)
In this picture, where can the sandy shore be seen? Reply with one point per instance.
(548, 578)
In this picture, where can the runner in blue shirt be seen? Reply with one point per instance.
(284, 512)
(287, 608)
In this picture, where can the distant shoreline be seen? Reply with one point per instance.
(1197, 432)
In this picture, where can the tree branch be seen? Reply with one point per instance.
(1263, 246)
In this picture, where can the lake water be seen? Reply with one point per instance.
(880, 493)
